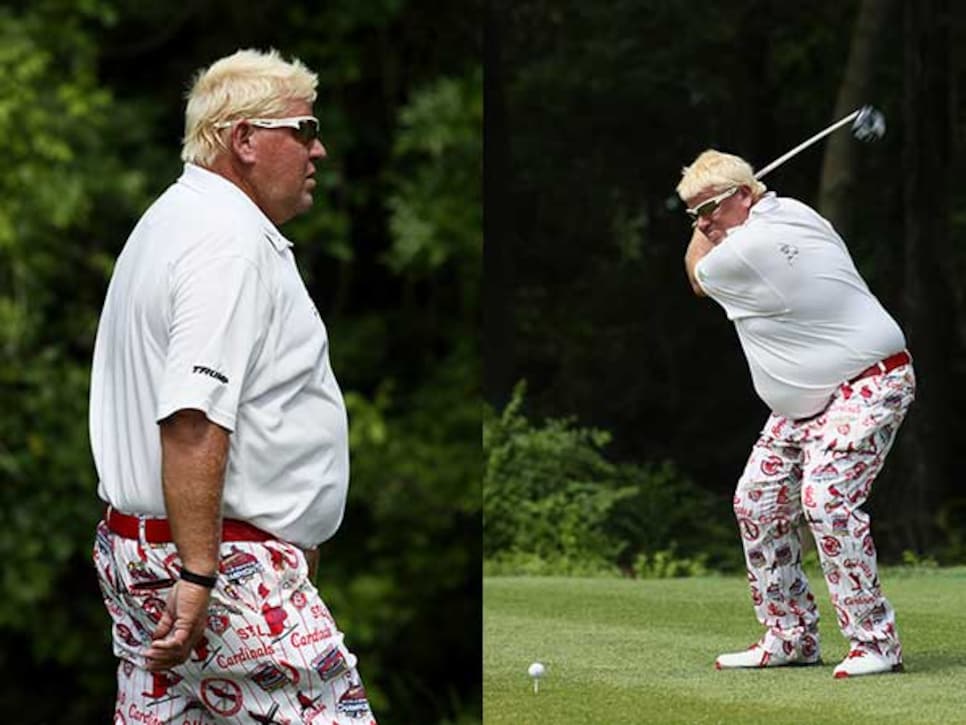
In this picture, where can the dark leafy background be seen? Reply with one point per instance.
(592, 110)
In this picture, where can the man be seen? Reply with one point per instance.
(218, 429)
(830, 363)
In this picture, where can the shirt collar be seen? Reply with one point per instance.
(205, 180)
(764, 205)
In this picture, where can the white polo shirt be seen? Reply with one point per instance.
(806, 320)
(206, 310)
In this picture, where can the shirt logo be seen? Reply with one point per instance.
(201, 369)
(790, 251)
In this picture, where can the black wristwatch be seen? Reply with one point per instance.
(200, 579)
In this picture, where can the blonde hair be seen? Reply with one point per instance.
(246, 84)
(719, 172)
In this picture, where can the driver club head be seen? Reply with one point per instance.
(869, 125)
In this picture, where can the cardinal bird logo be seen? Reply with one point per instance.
(771, 465)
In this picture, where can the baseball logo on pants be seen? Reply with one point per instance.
(821, 471)
(270, 653)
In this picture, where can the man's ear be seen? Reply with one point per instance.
(242, 142)
(747, 196)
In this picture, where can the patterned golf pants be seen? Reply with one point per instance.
(271, 652)
(822, 468)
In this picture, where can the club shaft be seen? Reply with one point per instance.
(805, 144)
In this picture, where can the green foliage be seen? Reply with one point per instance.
(951, 521)
(45, 196)
(665, 565)
(415, 450)
(522, 563)
(545, 490)
(415, 468)
(670, 519)
(59, 169)
(914, 561)
(552, 503)
(439, 151)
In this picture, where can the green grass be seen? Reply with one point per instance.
(622, 651)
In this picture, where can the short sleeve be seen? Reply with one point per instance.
(738, 286)
(218, 317)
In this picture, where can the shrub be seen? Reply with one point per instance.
(554, 504)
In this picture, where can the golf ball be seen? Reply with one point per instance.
(536, 670)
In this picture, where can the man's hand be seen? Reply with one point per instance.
(194, 452)
(699, 246)
(180, 627)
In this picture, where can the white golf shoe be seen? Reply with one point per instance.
(756, 657)
(865, 662)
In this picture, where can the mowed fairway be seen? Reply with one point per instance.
(623, 651)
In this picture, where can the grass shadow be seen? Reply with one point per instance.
(934, 662)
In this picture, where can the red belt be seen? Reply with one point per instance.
(157, 531)
(884, 366)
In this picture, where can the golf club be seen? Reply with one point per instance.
(868, 125)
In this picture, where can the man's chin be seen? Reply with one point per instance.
(305, 204)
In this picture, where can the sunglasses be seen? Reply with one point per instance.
(708, 206)
(305, 128)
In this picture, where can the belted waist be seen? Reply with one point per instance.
(158, 531)
(884, 366)
(880, 368)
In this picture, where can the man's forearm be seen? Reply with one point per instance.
(697, 248)
(193, 455)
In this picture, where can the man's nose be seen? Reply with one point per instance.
(318, 150)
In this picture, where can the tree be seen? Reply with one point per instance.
(838, 163)
(931, 309)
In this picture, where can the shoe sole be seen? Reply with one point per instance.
(846, 675)
(717, 665)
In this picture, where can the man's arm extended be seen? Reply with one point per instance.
(193, 455)
(697, 248)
